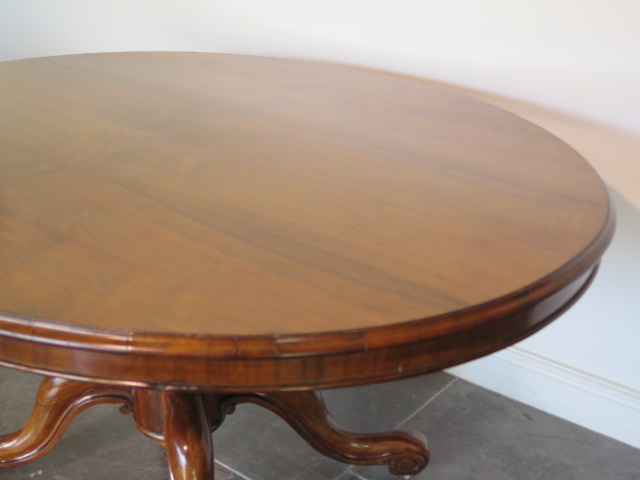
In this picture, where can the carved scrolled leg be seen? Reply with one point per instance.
(187, 435)
(58, 401)
(404, 452)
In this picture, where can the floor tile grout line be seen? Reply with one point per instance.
(235, 472)
(433, 397)
(352, 471)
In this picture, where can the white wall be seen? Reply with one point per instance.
(572, 66)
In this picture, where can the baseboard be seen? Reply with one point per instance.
(579, 397)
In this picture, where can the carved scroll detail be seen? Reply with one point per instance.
(58, 401)
(404, 452)
(182, 422)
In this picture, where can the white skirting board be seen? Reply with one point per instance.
(561, 390)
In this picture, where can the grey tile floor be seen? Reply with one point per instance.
(474, 434)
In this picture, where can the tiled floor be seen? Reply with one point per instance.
(474, 434)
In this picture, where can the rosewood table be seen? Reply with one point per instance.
(183, 232)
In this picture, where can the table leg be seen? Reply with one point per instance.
(182, 422)
(187, 436)
(404, 452)
(58, 401)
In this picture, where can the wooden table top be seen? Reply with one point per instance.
(245, 207)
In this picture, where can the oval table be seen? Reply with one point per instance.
(182, 232)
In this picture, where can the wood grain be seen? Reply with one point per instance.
(306, 224)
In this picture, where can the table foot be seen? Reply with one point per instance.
(58, 401)
(404, 452)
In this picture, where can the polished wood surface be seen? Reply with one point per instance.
(305, 225)
(187, 436)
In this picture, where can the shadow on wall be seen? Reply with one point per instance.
(602, 325)
(613, 151)
(583, 367)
